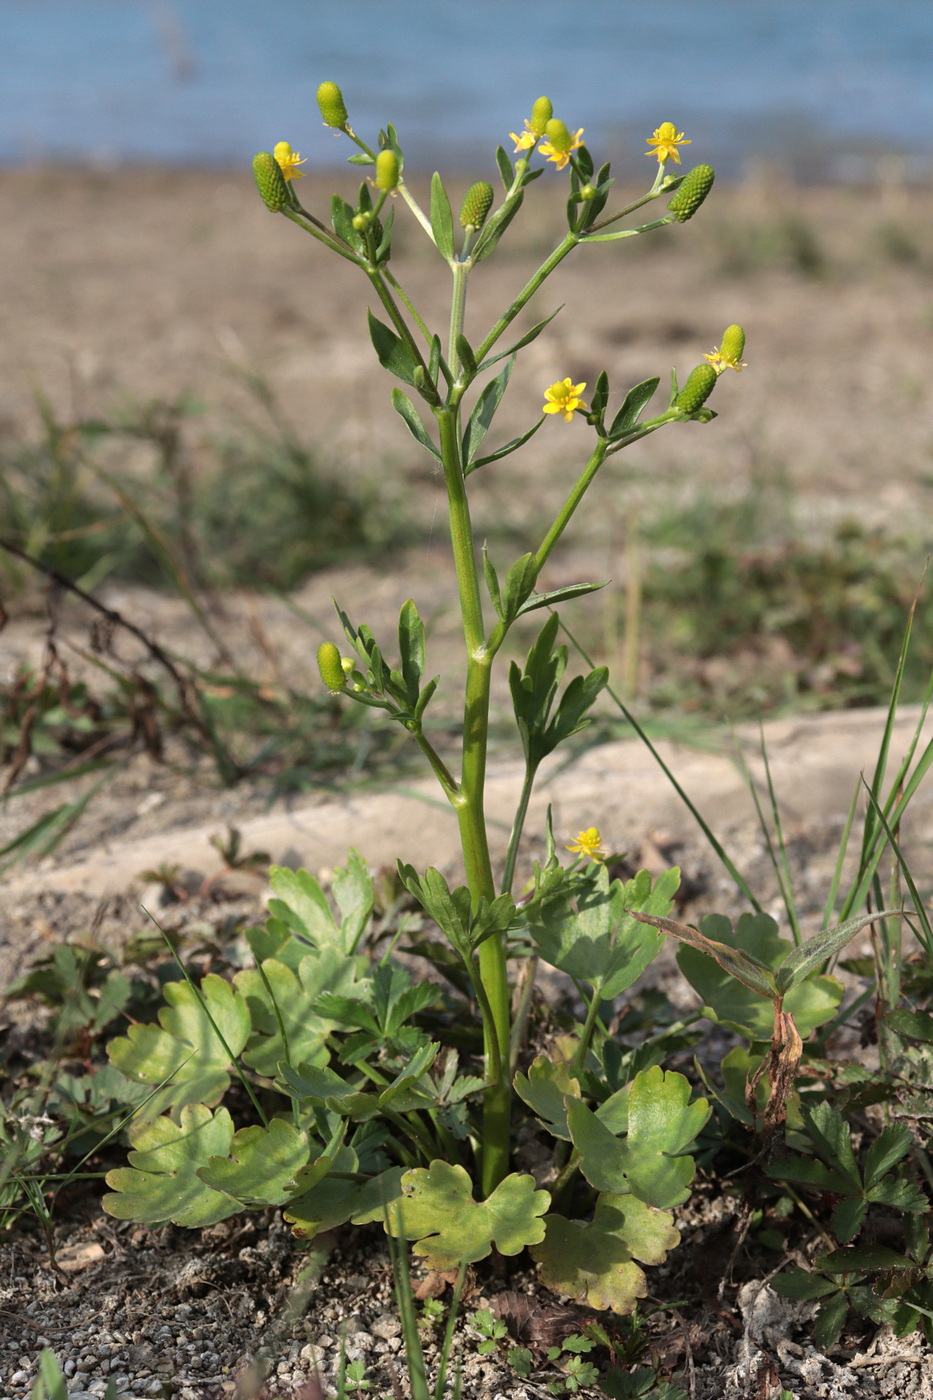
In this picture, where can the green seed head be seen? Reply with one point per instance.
(476, 205)
(558, 135)
(330, 101)
(270, 181)
(697, 389)
(733, 343)
(387, 170)
(331, 667)
(541, 114)
(696, 186)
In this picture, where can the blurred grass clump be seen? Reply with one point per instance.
(132, 497)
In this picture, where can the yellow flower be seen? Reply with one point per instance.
(665, 142)
(559, 143)
(525, 139)
(719, 361)
(563, 398)
(289, 160)
(589, 844)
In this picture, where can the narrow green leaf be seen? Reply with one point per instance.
(506, 451)
(742, 966)
(632, 405)
(558, 595)
(519, 581)
(862, 1259)
(442, 224)
(411, 649)
(506, 170)
(484, 412)
(394, 355)
(492, 582)
(467, 358)
(495, 227)
(407, 411)
(797, 1283)
(526, 339)
(916, 1025)
(811, 954)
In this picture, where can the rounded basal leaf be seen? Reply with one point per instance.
(438, 1210)
(595, 938)
(594, 1263)
(651, 1159)
(187, 1049)
(161, 1182)
(262, 1164)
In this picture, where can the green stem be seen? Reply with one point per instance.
(398, 320)
(566, 245)
(318, 231)
(573, 500)
(508, 871)
(441, 772)
(461, 272)
(469, 806)
(409, 304)
(416, 209)
(586, 1035)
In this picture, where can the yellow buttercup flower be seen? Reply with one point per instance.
(289, 160)
(665, 142)
(559, 143)
(719, 361)
(589, 844)
(564, 398)
(524, 140)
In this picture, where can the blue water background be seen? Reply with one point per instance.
(824, 87)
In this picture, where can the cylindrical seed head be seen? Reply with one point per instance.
(270, 181)
(732, 346)
(697, 389)
(387, 170)
(331, 667)
(476, 205)
(694, 189)
(330, 101)
(541, 114)
(558, 135)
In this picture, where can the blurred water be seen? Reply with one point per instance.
(825, 88)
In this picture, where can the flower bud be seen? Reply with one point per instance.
(387, 170)
(330, 101)
(541, 114)
(270, 181)
(733, 344)
(331, 667)
(476, 205)
(695, 187)
(558, 135)
(697, 389)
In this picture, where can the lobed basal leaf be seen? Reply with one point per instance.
(199, 1036)
(438, 1210)
(594, 1263)
(161, 1183)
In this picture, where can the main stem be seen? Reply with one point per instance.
(469, 806)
